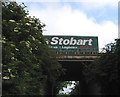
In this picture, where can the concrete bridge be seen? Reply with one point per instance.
(74, 64)
(75, 53)
(78, 56)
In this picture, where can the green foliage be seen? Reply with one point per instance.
(28, 64)
(104, 70)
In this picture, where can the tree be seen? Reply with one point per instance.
(104, 70)
(29, 66)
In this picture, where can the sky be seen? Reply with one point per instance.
(77, 17)
(68, 89)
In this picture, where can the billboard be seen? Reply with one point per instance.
(73, 43)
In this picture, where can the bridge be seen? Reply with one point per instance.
(74, 53)
(77, 56)
(74, 64)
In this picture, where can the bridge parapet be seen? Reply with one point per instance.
(77, 57)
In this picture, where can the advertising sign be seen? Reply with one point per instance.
(73, 43)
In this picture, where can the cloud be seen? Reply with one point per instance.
(101, 2)
(39, 0)
(62, 20)
(86, 4)
(95, 4)
(68, 0)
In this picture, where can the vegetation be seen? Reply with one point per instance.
(104, 70)
(29, 68)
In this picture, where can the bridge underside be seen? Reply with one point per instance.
(74, 65)
(74, 70)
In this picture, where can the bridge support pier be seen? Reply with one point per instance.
(89, 88)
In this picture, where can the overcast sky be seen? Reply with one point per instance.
(78, 17)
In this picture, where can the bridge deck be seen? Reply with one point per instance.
(77, 57)
(74, 64)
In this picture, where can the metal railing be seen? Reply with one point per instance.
(76, 53)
